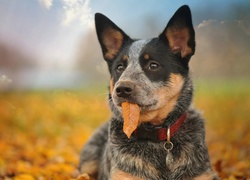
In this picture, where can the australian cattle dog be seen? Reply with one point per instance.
(152, 77)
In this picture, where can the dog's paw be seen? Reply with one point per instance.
(83, 177)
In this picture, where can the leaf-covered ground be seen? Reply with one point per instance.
(42, 133)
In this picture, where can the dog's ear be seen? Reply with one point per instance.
(179, 32)
(110, 36)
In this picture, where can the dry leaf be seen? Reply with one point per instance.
(131, 114)
(83, 177)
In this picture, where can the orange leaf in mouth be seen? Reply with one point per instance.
(131, 115)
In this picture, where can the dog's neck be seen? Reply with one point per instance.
(183, 103)
(159, 133)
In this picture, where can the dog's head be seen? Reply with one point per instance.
(151, 73)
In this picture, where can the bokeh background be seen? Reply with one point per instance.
(52, 43)
(53, 79)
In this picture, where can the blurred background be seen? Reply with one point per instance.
(48, 44)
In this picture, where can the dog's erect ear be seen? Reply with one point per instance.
(179, 32)
(110, 36)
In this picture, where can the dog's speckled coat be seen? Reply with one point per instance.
(154, 74)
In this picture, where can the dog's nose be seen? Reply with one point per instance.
(124, 90)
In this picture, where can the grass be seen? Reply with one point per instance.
(42, 133)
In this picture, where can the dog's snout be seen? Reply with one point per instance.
(124, 90)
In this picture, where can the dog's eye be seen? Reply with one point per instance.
(153, 66)
(120, 68)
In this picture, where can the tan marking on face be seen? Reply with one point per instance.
(205, 176)
(167, 97)
(178, 39)
(111, 85)
(118, 175)
(90, 168)
(112, 40)
(146, 56)
(124, 57)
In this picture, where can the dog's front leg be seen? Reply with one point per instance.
(118, 175)
(92, 152)
(207, 176)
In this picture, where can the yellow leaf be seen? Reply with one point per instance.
(24, 177)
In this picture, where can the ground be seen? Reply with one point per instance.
(42, 132)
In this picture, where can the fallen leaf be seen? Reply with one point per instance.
(24, 177)
(83, 177)
(131, 114)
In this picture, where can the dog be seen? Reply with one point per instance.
(169, 142)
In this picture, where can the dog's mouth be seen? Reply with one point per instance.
(143, 107)
(148, 107)
(132, 113)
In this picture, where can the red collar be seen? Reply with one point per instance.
(158, 133)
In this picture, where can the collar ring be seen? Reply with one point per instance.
(168, 145)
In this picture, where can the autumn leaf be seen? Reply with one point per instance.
(131, 115)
